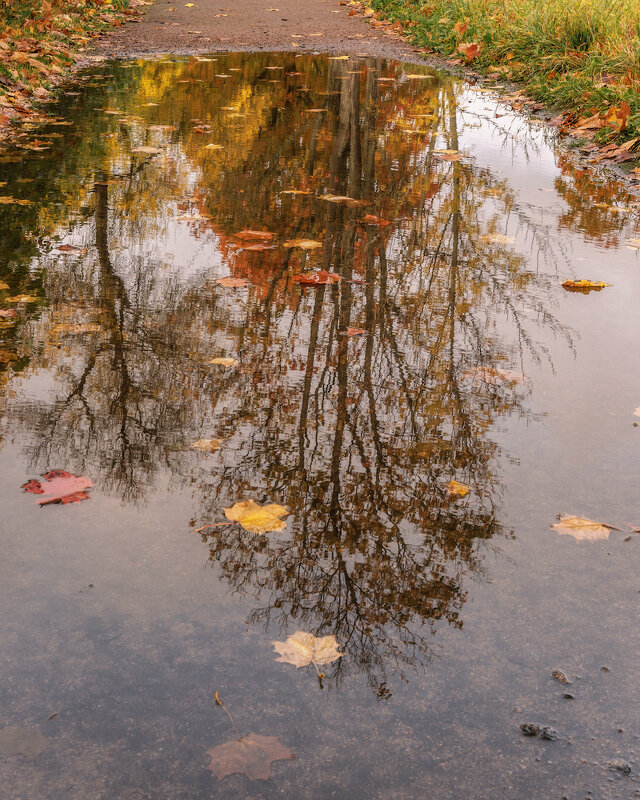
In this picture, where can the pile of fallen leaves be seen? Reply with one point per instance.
(40, 41)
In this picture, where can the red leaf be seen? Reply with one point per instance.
(316, 278)
(59, 486)
(370, 219)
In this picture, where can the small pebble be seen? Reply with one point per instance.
(550, 734)
(559, 675)
(568, 696)
(619, 765)
(530, 729)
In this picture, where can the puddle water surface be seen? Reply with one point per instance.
(443, 348)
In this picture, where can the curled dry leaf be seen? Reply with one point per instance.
(253, 236)
(232, 283)
(251, 755)
(302, 649)
(206, 445)
(584, 286)
(321, 278)
(59, 486)
(581, 529)
(224, 362)
(457, 489)
(304, 244)
(256, 518)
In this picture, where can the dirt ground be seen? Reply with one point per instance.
(173, 26)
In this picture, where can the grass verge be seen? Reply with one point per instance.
(578, 56)
(40, 40)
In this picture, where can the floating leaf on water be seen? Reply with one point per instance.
(22, 298)
(370, 219)
(614, 209)
(206, 445)
(15, 740)
(4, 286)
(581, 529)
(342, 199)
(355, 331)
(71, 248)
(584, 286)
(8, 201)
(294, 191)
(304, 244)
(59, 486)
(257, 519)
(321, 278)
(456, 489)
(302, 649)
(7, 313)
(497, 238)
(213, 146)
(253, 236)
(413, 76)
(258, 248)
(148, 150)
(252, 755)
(232, 283)
(636, 413)
(224, 362)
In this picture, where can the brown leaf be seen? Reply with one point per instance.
(148, 150)
(22, 298)
(258, 247)
(468, 49)
(7, 313)
(224, 362)
(497, 238)
(355, 331)
(321, 278)
(206, 445)
(6, 356)
(232, 283)
(71, 248)
(59, 486)
(302, 649)
(253, 236)
(370, 219)
(582, 529)
(257, 519)
(251, 755)
(584, 286)
(304, 244)
(341, 199)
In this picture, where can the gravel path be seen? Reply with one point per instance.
(171, 26)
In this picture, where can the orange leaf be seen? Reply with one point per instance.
(253, 236)
(316, 278)
(232, 283)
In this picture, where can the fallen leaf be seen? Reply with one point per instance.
(224, 362)
(370, 219)
(71, 248)
(206, 445)
(355, 331)
(456, 489)
(584, 286)
(259, 247)
(339, 198)
(59, 486)
(232, 283)
(294, 191)
(253, 236)
(469, 50)
(7, 201)
(320, 278)
(497, 238)
(302, 649)
(4, 286)
(7, 313)
(251, 755)
(16, 741)
(22, 298)
(304, 244)
(413, 76)
(582, 529)
(255, 518)
(214, 147)
(636, 413)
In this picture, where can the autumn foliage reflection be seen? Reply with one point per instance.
(357, 435)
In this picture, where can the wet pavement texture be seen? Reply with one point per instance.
(442, 348)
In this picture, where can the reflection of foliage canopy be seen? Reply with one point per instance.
(357, 437)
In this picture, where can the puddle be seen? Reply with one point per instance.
(445, 350)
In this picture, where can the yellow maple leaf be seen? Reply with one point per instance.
(257, 519)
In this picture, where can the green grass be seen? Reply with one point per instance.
(577, 55)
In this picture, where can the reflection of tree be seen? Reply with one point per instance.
(358, 436)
